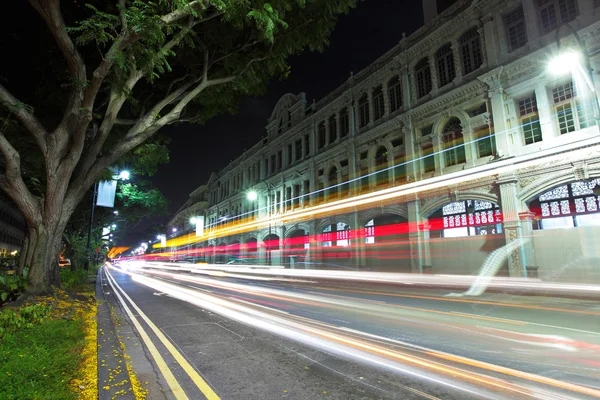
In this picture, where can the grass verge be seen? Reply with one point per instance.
(55, 358)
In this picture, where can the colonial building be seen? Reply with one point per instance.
(473, 88)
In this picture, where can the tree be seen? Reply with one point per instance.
(117, 72)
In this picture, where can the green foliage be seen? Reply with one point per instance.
(25, 317)
(37, 363)
(71, 279)
(11, 286)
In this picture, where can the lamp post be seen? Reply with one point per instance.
(123, 175)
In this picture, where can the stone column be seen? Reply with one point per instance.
(418, 236)
(497, 98)
(458, 67)
(436, 141)
(434, 77)
(533, 29)
(412, 168)
(371, 111)
(586, 11)
(326, 133)
(483, 46)
(544, 112)
(313, 183)
(513, 229)
(471, 153)
(283, 259)
(386, 97)
(352, 118)
(488, 41)
(353, 167)
(360, 256)
(338, 132)
(405, 80)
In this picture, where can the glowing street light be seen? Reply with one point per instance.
(193, 220)
(252, 195)
(116, 212)
(114, 226)
(174, 230)
(124, 175)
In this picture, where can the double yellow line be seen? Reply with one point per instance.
(174, 385)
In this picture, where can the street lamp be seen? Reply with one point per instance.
(174, 229)
(124, 175)
(564, 62)
(252, 195)
(114, 226)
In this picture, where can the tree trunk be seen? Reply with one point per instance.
(43, 267)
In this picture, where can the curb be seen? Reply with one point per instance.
(114, 380)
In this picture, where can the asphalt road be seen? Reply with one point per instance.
(287, 338)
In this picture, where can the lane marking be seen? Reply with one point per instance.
(538, 324)
(491, 303)
(176, 389)
(206, 390)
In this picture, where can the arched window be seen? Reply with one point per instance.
(470, 49)
(468, 218)
(568, 206)
(280, 128)
(332, 181)
(340, 233)
(444, 59)
(344, 122)
(382, 164)
(395, 94)
(423, 76)
(378, 103)
(554, 13)
(332, 129)
(363, 106)
(454, 145)
(321, 135)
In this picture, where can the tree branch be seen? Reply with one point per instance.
(122, 9)
(31, 123)
(183, 12)
(12, 182)
(50, 12)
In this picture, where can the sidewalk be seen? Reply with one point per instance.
(124, 370)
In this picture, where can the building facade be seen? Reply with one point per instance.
(471, 89)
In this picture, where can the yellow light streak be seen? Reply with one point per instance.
(572, 151)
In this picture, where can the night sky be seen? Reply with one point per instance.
(359, 38)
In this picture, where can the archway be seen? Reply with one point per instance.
(462, 234)
(271, 244)
(296, 245)
(387, 245)
(571, 254)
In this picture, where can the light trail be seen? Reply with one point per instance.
(572, 151)
(446, 281)
(431, 365)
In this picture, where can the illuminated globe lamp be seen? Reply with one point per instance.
(252, 195)
(124, 175)
(564, 62)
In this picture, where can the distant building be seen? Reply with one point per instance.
(469, 89)
(12, 226)
(195, 206)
